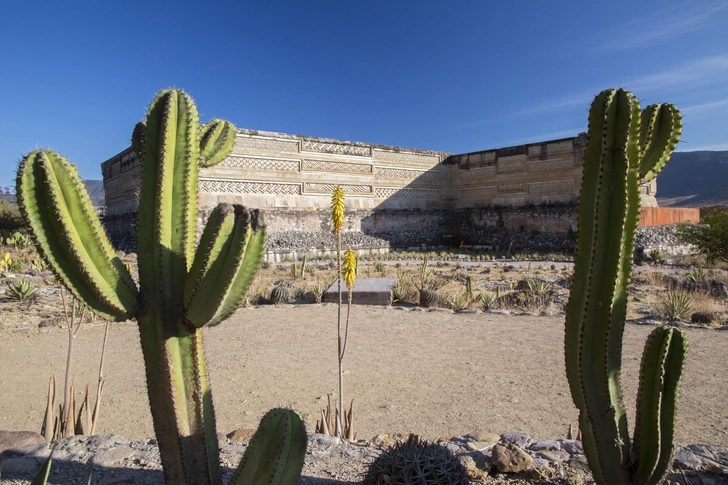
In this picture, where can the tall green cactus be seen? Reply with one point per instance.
(180, 289)
(619, 156)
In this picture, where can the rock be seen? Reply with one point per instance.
(572, 447)
(718, 454)
(555, 456)
(113, 456)
(21, 465)
(38, 450)
(545, 445)
(483, 436)
(480, 445)
(324, 439)
(14, 439)
(518, 439)
(579, 462)
(477, 466)
(509, 458)
(686, 459)
(242, 435)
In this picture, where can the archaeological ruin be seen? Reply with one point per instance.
(396, 197)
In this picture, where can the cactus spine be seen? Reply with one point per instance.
(180, 289)
(275, 454)
(620, 154)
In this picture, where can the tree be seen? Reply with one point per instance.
(710, 236)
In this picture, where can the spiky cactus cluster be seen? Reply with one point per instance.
(416, 462)
(626, 147)
(181, 288)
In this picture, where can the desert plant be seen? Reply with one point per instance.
(416, 462)
(18, 240)
(38, 264)
(379, 267)
(696, 275)
(710, 237)
(676, 305)
(654, 255)
(429, 298)
(318, 289)
(5, 263)
(402, 288)
(489, 299)
(21, 290)
(264, 264)
(180, 289)
(10, 218)
(276, 452)
(457, 301)
(623, 149)
(280, 294)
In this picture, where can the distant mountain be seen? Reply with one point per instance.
(694, 179)
(95, 190)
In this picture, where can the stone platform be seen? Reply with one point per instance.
(367, 291)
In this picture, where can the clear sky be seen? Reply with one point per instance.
(455, 76)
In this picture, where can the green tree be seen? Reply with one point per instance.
(710, 236)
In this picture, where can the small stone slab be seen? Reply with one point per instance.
(367, 291)
(14, 439)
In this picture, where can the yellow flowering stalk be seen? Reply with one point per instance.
(349, 268)
(337, 210)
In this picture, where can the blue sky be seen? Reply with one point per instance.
(455, 76)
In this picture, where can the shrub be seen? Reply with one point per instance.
(10, 218)
(676, 305)
(21, 290)
(710, 237)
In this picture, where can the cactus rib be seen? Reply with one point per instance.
(69, 235)
(275, 454)
(659, 135)
(216, 140)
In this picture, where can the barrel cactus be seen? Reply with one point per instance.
(181, 289)
(429, 298)
(625, 148)
(280, 294)
(416, 462)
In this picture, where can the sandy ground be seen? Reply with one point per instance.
(434, 374)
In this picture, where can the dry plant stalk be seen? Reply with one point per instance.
(69, 422)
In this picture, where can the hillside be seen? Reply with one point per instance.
(694, 179)
(95, 190)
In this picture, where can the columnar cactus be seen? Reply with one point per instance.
(620, 154)
(180, 289)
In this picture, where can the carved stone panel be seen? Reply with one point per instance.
(251, 163)
(555, 187)
(246, 145)
(549, 165)
(336, 148)
(565, 146)
(479, 192)
(403, 174)
(511, 167)
(312, 187)
(406, 157)
(477, 173)
(509, 188)
(395, 193)
(241, 187)
(329, 166)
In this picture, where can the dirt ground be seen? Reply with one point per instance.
(431, 373)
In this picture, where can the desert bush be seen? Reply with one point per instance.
(264, 264)
(489, 299)
(676, 305)
(379, 267)
(654, 255)
(10, 218)
(317, 290)
(710, 236)
(457, 301)
(21, 290)
(696, 274)
(280, 294)
(404, 289)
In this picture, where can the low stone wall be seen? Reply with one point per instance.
(663, 216)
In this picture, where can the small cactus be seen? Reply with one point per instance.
(429, 298)
(280, 294)
(416, 462)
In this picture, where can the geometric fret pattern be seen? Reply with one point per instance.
(240, 187)
(252, 163)
(337, 148)
(507, 188)
(396, 173)
(555, 187)
(395, 193)
(406, 157)
(327, 166)
(479, 192)
(560, 147)
(245, 145)
(328, 188)
(477, 173)
(511, 167)
(549, 165)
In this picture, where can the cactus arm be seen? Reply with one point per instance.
(229, 272)
(138, 138)
(659, 135)
(68, 233)
(660, 373)
(216, 142)
(275, 454)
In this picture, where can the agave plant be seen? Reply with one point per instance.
(181, 289)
